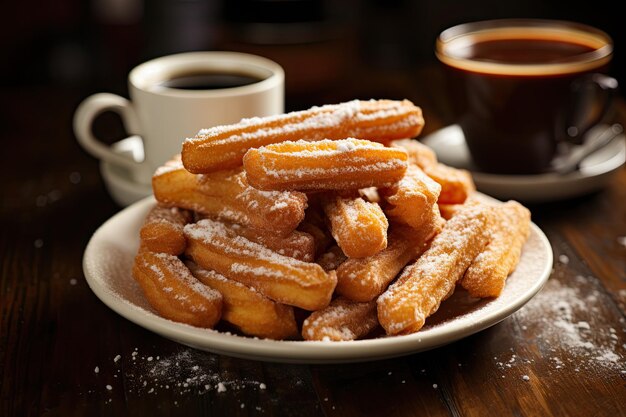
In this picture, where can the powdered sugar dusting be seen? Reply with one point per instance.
(377, 120)
(568, 328)
(211, 231)
(422, 286)
(315, 123)
(181, 372)
(181, 273)
(338, 160)
(245, 256)
(535, 258)
(342, 320)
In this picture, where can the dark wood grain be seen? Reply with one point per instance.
(562, 354)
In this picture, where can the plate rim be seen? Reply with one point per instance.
(308, 351)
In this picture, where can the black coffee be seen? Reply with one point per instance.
(510, 50)
(512, 94)
(209, 81)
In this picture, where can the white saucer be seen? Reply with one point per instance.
(122, 188)
(594, 173)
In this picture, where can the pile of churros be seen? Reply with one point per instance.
(330, 224)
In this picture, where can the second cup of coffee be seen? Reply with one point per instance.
(521, 86)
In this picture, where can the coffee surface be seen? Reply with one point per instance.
(523, 51)
(209, 81)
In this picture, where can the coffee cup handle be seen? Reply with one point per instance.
(592, 101)
(84, 116)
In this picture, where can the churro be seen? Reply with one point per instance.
(324, 165)
(173, 292)
(419, 154)
(419, 290)
(342, 320)
(281, 278)
(297, 244)
(162, 230)
(487, 274)
(226, 195)
(247, 309)
(410, 200)
(359, 227)
(449, 210)
(366, 278)
(223, 147)
(456, 184)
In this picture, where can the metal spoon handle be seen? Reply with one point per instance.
(572, 162)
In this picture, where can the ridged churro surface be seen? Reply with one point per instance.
(247, 309)
(162, 230)
(173, 292)
(342, 320)
(223, 147)
(487, 274)
(418, 291)
(358, 226)
(278, 277)
(226, 195)
(324, 165)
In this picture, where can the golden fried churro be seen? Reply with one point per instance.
(331, 259)
(226, 195)
(359, 227)
(417, 293)
(324, 165)
(366, 278)
(449, 210)
(247, 309)
(162, 230)
(487, 274)
(456, 184)
(343, 319)
(223, 147)
(419, 154)
(173, 292)
(297, 244)
(281, 278)
(410, 200)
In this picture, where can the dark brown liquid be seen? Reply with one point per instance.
(522, 51)
(209, 81)
(513, 121)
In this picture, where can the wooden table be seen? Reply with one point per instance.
(63, 352)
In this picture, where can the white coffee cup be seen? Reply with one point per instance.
(164, 116)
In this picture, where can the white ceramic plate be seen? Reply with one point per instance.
(594, 173)
(107, 265)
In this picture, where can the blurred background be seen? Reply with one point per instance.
(322, 44)
(331, 50)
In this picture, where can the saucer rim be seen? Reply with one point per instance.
(122, 189)
(541, 187)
